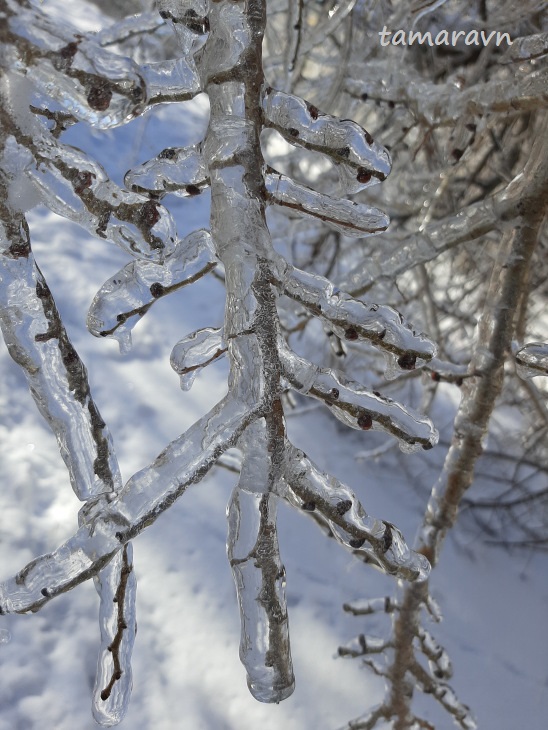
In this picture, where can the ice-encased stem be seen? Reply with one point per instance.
(57, 378)
(125, 297)
(259, 575)
(231, 67)
(116, 585)
(354, 404)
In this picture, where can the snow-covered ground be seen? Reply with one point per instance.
(187, 675)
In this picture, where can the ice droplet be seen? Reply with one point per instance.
(186, 380)
(124, 340)
(196, 351)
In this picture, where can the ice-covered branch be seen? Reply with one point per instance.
(196, 351)
(180, 171)
(355, 405)
(436, 237)
(76, 187)
(494, 343)
(131, 292)
(352, 319)
(57, 378)
(360, 158)
(479, 393)
(116, 585)
(523, 90)
(91, 82)
(379, 541)
(110, 521)
(532, 360)
(221, 53)
(346, 216)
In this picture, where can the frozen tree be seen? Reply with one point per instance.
(466, 129)
(55, 76)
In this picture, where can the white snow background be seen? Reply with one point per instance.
(187, 675)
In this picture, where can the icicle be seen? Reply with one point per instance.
(352, 319)
(181, 171)
(196, 351)
(532, 360)
(128, 295)
(355, 405)
(259, 575)
(379, 541)
(116, 585)
(363, 160)
(345, 216)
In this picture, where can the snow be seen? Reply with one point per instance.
(187, 673)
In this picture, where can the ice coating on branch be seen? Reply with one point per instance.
(171, 80)
(57, 378)
(181, 171)
(196, 351)
(92, 83)
(259, 575)
(362, 160)
(352, 319)
(109, 522)
(529, 47)
(532, 360)
(76, 187)
(230, 38)
(379, 541)
(355, 405)
(127, 27)
(116, 585)
(128, 295)
(346, 216)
